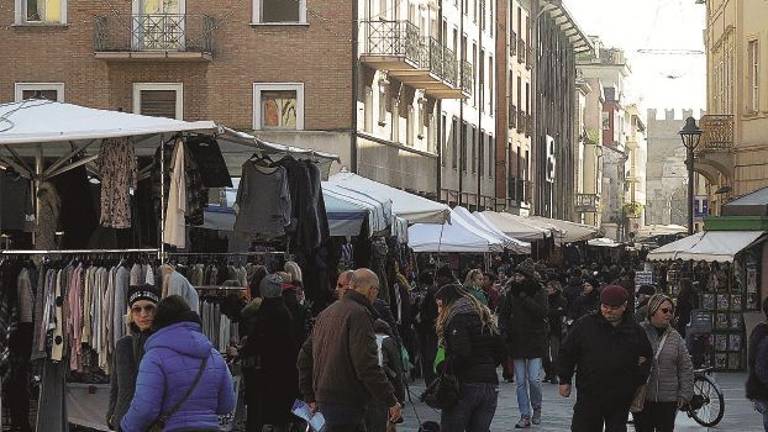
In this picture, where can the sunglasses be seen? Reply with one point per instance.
(146, 308)
(666, 310)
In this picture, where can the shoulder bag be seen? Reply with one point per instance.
(638, 402)
(444, 392)
(159, 424)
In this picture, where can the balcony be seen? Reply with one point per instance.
(512, 44)
(512, 116)
(424, 63)
(154, 37)
(521, 51)
(587, 203)
(467, 77)
(717, 133)
(529, 59)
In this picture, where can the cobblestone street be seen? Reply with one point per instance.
(739, 414)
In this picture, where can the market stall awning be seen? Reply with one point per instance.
(604, 242)
(379, 211)
(454, 236)
(511, 244)
(514, 226)
(413, 208)
(345, 218)
(649, 231)
(720, 246)
(43, 121)
(567, 231)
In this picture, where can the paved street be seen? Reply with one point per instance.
(739, 415)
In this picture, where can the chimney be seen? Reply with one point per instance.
(669, 114)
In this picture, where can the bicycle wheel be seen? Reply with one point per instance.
(712, 406)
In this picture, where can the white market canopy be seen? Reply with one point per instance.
(511, 244)
(378, 212)
(514, 226)
(604, 242)
(649, 231)
(718, 246)
(455, 236)
(411, 207)
(567, 231)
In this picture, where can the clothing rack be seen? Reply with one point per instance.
(76, 251)
(227, 253)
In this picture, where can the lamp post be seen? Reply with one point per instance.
(691, 135)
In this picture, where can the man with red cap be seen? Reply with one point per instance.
(611, 357)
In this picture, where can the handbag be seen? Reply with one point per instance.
(445, 391)
(638, 401)
(159, 424)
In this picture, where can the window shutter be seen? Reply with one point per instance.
(158, 103)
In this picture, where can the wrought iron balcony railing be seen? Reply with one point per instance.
(162, 32)
(396, 39)
(467, 77)
(521, 51)
(717, 133)
(512, 44)
(450, 67)
(512, 116)
(587, 203)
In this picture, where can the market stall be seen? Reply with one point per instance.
(566, 231)
(458, 235)
(514, 226)
(513, 245)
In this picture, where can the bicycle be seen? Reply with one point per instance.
(707, 406)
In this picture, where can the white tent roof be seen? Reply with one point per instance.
(720, 246)
(514, 245)
(42, 121)
(649, 231)
(514, 226)
(379, 211)
(408, 206)
(567, 231)
(454, 236)
(603, 242)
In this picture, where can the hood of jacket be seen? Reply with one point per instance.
(184, 338)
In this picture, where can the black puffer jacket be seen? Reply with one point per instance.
(756, 390)
(473, 353)
(558, 307)
(523, 320)
(585, 304)
(605, 358)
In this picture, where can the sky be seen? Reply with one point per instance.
(657, 81)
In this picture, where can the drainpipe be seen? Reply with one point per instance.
(463, 137)
(355, 85)
(439, 104)
(480, 101)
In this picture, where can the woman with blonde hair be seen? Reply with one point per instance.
(474, 349)
(473, 283)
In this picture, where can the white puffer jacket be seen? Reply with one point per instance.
(671, 376)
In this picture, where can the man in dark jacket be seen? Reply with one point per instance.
(757, 380)
(588, 302)
(611, 356)
(339, 370)
(557, 310)
(523, 321)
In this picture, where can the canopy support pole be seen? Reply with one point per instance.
(72, 166)
(19, 160)
(162, 199)
(20, 169)
(53, 168)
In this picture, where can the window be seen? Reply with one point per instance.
(606, 119)
(519, 96)
(159, 99)
(528, 98)
(409, 123)
(491, 75)
(491, 157)
(492, 23)
(482, 14)
(383, 101)
(455, 40)
(464, 146)
(481, 155)
(454, 143)
(474, 10)
(473, 136)
(367, 109)
(481, 85)
(443, 139)
(50, 91)
(278, 106)
(280, 11)
(41, 12)
(477, 70)
(396, 120)
(754, 77)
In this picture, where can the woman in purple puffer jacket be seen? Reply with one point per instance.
(173, 356)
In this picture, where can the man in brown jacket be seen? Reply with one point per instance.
(339, 370)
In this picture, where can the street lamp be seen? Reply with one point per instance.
(691, 135)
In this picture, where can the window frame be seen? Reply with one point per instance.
(259, 87)
(753, 56)
(256, 18)
(20, 87)
(20, 14)
(138, 87)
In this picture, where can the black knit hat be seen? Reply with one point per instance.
(527, 268)
(171, 310)
(142, 292)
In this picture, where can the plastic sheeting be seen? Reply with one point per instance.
(408, 206)
(719, 246)
(458, 235)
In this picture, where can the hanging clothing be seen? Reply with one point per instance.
(205, 151)
(79, 216)
(48, 216)
(117, 167)
(177, 204)
(263, 204)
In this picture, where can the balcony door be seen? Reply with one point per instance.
(159, 25)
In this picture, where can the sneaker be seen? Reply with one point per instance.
(536, 419)
(524, 423)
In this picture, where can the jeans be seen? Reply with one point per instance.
(761, 406)
(528, 377)
(475, 410)
(656, 417)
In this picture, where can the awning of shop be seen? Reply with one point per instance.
(511, 244)
(604, 242)
(514, 226)
(379, 210)
(567, 231)
(413, 208)
(649, 231)
(720, 246)
(458, 235)
(345, 218)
